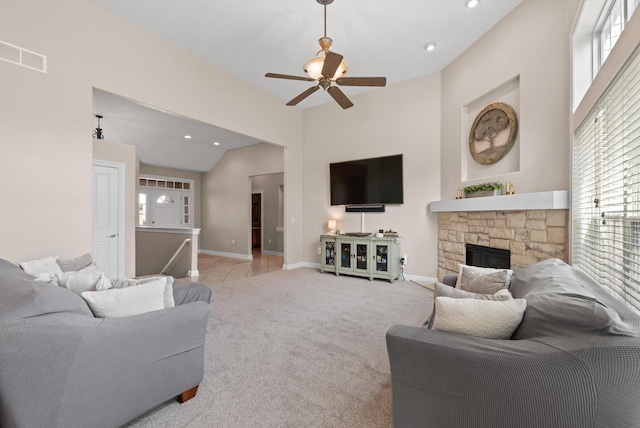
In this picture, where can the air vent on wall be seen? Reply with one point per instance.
(20, 56)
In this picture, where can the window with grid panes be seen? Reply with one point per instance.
(606, 188)
(168, 190)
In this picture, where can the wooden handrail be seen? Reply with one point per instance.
(175, 255)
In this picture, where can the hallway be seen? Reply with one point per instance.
(218, 269)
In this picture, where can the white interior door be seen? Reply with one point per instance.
(106, 220)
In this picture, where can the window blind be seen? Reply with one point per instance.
(606, 188)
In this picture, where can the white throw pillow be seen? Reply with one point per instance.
(124, 302)
(442, 290)
(43, 269)
(491, 319)
(169, 302)
(483, 280)
(79, 282)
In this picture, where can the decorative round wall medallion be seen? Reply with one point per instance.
(493, 133)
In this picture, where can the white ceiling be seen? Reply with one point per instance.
(249, 38)
(159, 136)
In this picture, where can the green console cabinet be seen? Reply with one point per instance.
(366, 256)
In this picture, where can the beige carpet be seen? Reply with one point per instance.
(298, 349)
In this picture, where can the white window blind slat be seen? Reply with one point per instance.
(606, 188)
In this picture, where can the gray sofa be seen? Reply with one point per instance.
(61, 367)
(573, 362)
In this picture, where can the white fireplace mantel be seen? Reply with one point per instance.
(552, 200)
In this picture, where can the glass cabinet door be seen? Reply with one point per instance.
(345, 255)
(382, 253)
(362, 259)
(330, 253)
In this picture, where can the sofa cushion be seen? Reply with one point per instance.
(23, 297)
(564, 302)
(124, 302)
(490, 319)
(483, 280)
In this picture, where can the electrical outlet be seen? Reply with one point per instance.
(269, 240)
(319, 250)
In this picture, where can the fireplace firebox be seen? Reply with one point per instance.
(478, 255)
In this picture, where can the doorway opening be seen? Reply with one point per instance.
(256, 220)
(267, 214)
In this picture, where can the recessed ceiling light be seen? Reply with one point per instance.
(471, 3)
(215, 143)
(187, 137)
(430, 46)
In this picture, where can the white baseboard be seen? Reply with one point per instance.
(419, 278)
(272, 253)
(312, 265)
(301, 265)
(223, 254)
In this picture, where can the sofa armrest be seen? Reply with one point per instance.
(442, 379)
(187, 291)
(143, 360)
(450, 279)
(84, 371)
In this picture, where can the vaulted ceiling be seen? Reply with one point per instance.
(249, 38)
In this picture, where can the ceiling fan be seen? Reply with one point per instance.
(328, 67)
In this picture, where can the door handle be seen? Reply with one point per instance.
(112, 236)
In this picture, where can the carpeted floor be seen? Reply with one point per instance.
(297, 349)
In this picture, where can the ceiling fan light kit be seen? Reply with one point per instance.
(328, 67)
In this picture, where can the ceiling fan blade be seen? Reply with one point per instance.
(331, 63)
(340, 97)
(303, 95)
(361, 81)
(287, 76)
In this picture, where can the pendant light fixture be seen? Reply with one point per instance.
(98, 134)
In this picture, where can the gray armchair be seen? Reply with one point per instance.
(61, 367)
(574, 362)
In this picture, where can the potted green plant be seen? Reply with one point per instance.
(485, 189)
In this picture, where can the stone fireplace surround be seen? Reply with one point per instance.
(530, 235)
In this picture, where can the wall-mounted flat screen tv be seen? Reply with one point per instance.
(367, 181)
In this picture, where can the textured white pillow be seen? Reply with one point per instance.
(169, 302)
(124, 302)
(442, 290)
(79, 282)
(483, 280)
(491, 319)
(43, 269)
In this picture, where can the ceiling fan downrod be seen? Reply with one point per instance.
(325, 42)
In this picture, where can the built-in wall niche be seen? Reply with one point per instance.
(508, 93)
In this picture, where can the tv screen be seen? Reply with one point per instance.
(367, 181)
